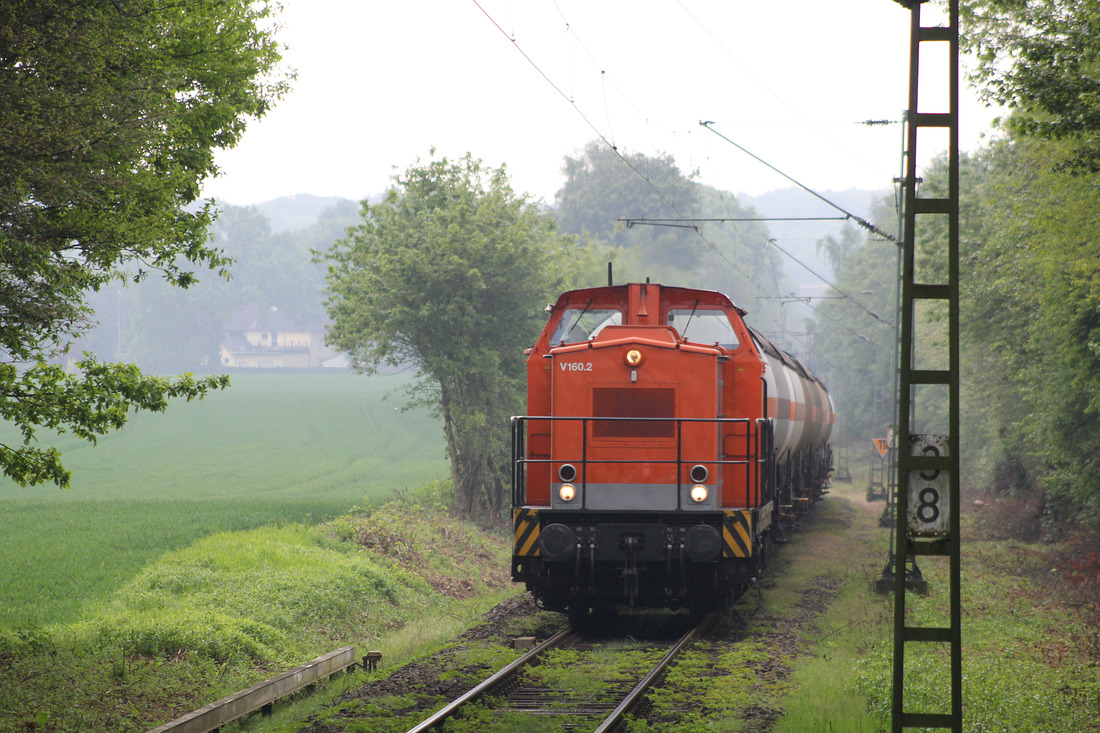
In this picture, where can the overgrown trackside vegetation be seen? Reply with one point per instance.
(808, 649)
(816, 648)
(1031, 648)
(449, 273)
(1029, 309)
(810, 646)
(1031, 659)
(236, 607)
(752, 679)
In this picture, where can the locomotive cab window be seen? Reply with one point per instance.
(704, 326)
(581, 324)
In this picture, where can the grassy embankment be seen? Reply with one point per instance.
(185, 563)
(815, 652)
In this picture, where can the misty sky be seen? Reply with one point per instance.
(381, 82)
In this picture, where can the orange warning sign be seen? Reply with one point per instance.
(881, 444)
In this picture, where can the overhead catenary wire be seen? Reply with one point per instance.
(631, 221)
(782, 339)
(844, 295)
(858, 219)
(604, 79)
(706, 29)
(845, 326)
(572, 102)
(614, 148)
(611, 146)
(805, 302)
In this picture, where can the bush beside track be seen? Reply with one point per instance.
(236, 607)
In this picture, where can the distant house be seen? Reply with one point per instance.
(268, 338)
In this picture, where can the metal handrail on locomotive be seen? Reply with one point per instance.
(667, 445)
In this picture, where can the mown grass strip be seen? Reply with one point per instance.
(848, 546)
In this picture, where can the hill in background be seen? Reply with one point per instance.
(299, 211)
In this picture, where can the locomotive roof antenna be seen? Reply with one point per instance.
(609, 278)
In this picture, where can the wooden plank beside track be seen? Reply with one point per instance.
(219, 713)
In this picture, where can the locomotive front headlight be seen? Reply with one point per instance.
(634, 358)
(698, 493)
(567, 492)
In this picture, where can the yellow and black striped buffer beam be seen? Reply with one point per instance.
(737, 533)
(525, 536)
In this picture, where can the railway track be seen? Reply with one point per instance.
(596, 681)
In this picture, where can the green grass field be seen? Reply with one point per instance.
(272, 449)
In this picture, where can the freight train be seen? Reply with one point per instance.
(666, 446)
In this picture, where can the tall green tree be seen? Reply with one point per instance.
(1030, 325)
(1036, 314)
(1041, 59)
(604, 185)
(110, 113)
(450, 273)
(1033, 305)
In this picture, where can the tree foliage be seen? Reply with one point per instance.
(1041, 58)
(1036, 304)
(449, 274)
(603, 185)
(855, 349)
(110, 112)
(1030, 328)
(1035, 319)
(1029, 254)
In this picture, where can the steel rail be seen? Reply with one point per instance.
(503, 674)
(635, 695)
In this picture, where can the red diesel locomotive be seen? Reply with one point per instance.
(666, 446)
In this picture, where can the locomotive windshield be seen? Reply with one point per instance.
(704, 326)
(581, 324)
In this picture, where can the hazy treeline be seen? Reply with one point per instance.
(1029, 281)
(656, 221)
(166, 329)
(1030, 330)
(663, 236)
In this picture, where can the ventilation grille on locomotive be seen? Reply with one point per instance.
(634, 403)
